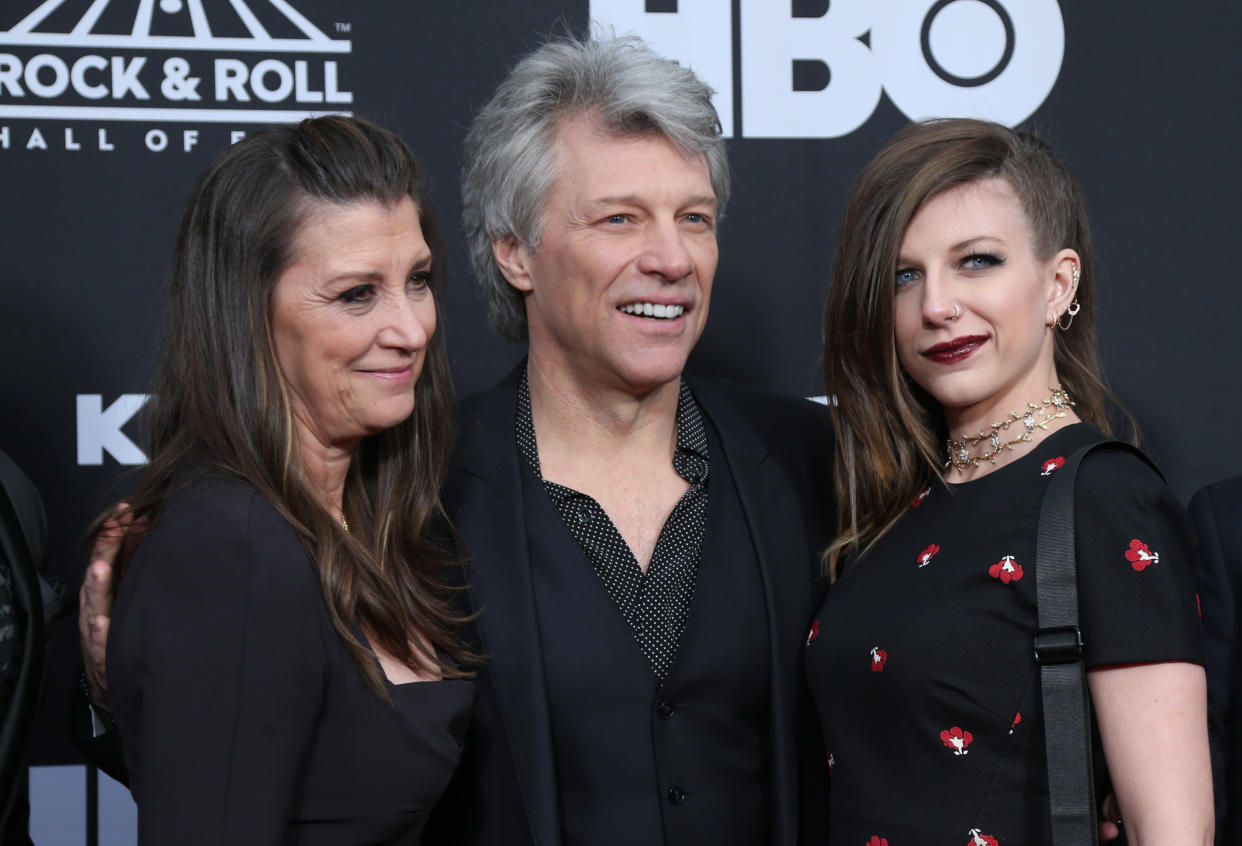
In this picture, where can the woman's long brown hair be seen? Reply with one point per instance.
(219, 402)
(890, 433)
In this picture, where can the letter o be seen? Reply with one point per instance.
(59, 69)
(259, 86)
(157, 140)
(1019, 82)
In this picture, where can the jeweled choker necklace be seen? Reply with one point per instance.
(1036, 416)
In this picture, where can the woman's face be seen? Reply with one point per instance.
(351, 319)
(974, 303)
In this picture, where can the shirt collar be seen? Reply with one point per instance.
(690, 457)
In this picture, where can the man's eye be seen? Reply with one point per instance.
(359, 294)
(617, 218)
(698, 218)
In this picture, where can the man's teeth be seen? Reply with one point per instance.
(658, 310)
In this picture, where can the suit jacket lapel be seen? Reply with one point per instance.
(779, 537)
(483, 495)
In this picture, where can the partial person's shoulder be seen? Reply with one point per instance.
(1115, 473)
(208, 515)
(769, 412)
(1222, 495)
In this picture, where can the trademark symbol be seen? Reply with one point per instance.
(342, 27)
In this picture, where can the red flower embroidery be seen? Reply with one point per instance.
(1140, 555)
(1017, 718)
(957, 740)
(813, 633)
(1052, 464)
(878, 659)
(876, 840)
(978, 838)
(928, 554)
(1007, 570)
(918, 500)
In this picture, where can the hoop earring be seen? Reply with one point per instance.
(1073, 310)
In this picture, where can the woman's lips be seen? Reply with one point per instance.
(958, 349)
(392, 375)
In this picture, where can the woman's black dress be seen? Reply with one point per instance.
(921, 661)
(244, 718)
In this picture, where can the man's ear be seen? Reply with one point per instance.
(513, 259)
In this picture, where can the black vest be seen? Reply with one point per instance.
(639, 763)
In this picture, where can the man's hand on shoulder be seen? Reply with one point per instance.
(95, 601)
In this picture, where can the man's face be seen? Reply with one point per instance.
(618, 287)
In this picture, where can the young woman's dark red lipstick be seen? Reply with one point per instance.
(958, 349)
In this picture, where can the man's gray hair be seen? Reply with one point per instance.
(509, 163)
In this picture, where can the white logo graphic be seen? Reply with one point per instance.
(184, 81)
(99, 429)
(821, 77)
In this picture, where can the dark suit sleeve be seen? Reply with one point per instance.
(218, 656)
(1215, 512)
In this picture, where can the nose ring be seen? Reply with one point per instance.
(957, 312)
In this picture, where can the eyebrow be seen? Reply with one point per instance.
(961, 245)
(634, 200)
(421, 263)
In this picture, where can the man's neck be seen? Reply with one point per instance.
(581, 428)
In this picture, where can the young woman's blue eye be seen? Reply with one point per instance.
(981, 261)
(905, 276)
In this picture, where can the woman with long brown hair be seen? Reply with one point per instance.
(961, 351)
(282, 660)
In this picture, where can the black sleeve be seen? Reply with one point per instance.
(1216, 512)
(1136, 566)
(96, 735)
(216, 659)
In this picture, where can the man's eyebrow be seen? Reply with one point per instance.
(635, 200)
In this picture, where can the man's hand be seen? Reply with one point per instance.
(95, 601)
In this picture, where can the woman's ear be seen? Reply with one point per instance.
(1066, 269)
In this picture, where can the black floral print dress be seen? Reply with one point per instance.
(921, 662)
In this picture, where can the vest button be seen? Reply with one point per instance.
(665, 710)
(676, 795)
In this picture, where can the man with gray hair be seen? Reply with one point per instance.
(641, 548)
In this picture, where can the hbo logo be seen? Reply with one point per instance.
(821, 76)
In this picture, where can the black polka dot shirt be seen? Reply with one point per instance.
(656, 604)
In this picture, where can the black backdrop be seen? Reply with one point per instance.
(1143, 103)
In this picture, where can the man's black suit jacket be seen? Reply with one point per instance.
(778, 450)
(1217, 513)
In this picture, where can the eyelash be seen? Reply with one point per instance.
(420, 279)
(989, 260)
(701, 218)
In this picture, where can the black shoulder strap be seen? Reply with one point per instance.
(27, 596)
(1059, 652)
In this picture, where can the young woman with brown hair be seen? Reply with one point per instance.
(962, 312)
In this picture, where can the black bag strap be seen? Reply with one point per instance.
(27, 595)
(1059, 653)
